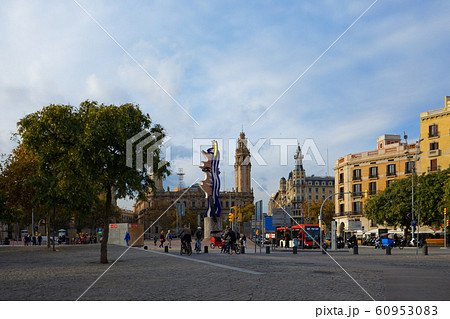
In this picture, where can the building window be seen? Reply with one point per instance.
(372, 188)
(389, 182)
(323, 189)
(341, 178)
(323, 196)
(357, 174)
(330, 183)
(316, 183)
(433, 130)
(341, 208)
(341, 190)
(373, 172)
(310, 189)
(317, 197)
(390, 170)
(309, 183)
(357, 207)
(309, 197)
(409, 167)
(203, 204)
(433, 165)
(356, 188)
(193, 204)
(434, 146)
(324, 183)
(232, 203)
(227, 204)
(317, 190)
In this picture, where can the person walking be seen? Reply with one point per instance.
(155, 238)
(244, 240)
(198, 238)
(33, 240)
(127, 238)
(40, 239)
(161, 239)
(169, 238)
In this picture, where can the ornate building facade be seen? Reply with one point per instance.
(194, 199)
(299, 191)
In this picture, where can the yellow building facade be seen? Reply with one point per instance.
(435, 139)
(368, 172)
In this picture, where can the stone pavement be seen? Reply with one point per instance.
(35, 273)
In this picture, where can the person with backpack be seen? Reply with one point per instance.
(169, 238)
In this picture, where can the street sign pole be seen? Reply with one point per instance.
(445, 228)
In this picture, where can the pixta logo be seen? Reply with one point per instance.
(149, 143)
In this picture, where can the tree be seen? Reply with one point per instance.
(247, 212)
(61, 185)
(18, 171)
(105, 131)
(392, 206)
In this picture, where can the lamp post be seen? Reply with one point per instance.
(413, 172)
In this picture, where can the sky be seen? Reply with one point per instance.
(206, 69)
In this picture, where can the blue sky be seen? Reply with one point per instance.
(225, 62)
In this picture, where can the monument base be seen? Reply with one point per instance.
(210, 225)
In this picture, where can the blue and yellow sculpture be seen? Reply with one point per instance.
(211, 184)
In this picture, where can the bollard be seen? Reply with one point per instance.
(206, 249)
(166, 249)
(295, 250)
(424, 250)
(355, 250)
(267, 249)
(145, 247)
(242, 250)
(388, 250)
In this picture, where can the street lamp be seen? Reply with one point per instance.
(413, 172)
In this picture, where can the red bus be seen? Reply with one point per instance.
(308, 235)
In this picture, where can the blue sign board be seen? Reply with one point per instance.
(268, 225)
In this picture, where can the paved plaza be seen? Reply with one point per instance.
(37, 273)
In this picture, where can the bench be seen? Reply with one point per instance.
(435, 241)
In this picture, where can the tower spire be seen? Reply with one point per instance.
(298, 159)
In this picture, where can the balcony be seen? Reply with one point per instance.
(341, 196)
(372, 192)
(341, 181)
(357, 194)
(373, 176)
(433, 135)
(434, 168)
(408, 171)
(390, 174)
(356, 178)
(434, 153)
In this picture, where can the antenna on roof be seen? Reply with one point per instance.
(180, 178)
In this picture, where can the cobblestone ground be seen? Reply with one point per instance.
(36, 273)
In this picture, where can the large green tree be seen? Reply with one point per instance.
(82, 155)
(105, 132)
(393, 206)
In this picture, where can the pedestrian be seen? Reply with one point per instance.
(161, 239)
(155, 238)
(33, 240)
(169, 238)
(198, 238)
(28, 239)
(244, 240)
(127, 238)
(40, 239)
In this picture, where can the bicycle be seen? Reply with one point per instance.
(197, 248)
(234, 247)
(186, 249)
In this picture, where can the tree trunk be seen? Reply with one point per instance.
(47, 229)
(104, 245)
(54, 227)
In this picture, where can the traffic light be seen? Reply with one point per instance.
(230, 217)
(445, 211)
(366, 194)
(448, 222)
